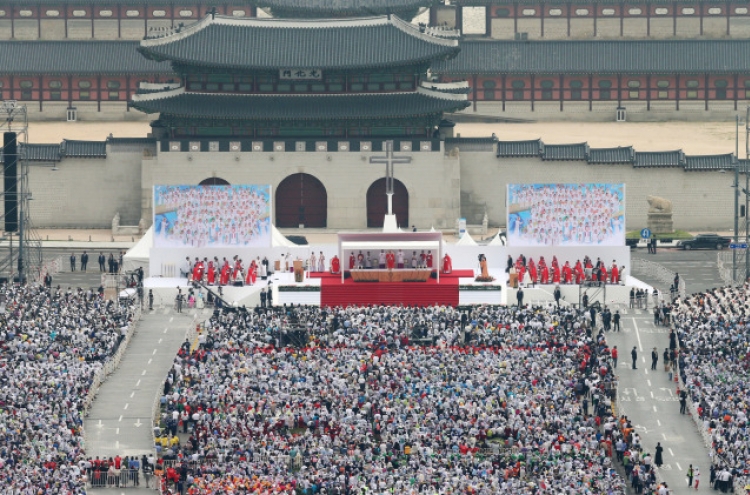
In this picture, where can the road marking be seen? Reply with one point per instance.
(649, 382)
(117, 445)
(663, 436)
(160, 340)
(637, 334)
(137, 384)
(153, 353)
(643, 358)
(645, 371)
(149, 361)
(678, 466)
(132, 394)
(171, 319)
(126, 406)
(117, 432)
(652, 394)
(658, 422)
(100, 423)
(654, 408)
(165, 330)
(144, 372)
(671, 453)
(120, 418)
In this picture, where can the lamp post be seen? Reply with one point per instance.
(736, 195)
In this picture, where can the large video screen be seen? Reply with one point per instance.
(212, 216)
(566, 214)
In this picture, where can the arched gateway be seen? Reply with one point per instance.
(301, 199)
(377, 203)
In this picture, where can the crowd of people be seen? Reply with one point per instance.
(492, 400)
(529, 272)
(53, 342)
(714, 358)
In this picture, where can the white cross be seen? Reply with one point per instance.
(389, 159)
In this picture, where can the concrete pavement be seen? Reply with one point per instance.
(650, 401)
(119, 422)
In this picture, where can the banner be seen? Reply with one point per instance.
(212, 216)
(566, 215)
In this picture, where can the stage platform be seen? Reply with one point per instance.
(611, 294)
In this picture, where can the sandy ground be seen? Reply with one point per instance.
(55, 132)
(693, 138)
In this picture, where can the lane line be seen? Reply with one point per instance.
(132, 394)
(154, 353)
(678, 466)
(137, 384)
(670, 452)
(149, 361)
(117, 432)
(649, 382)
(171, 319)
(652, 394)
(144, 372)
(160, 340)
(126, 406)
(664, 436)
(120, 418)
(165, 330)
(654, 408)
(638, 334)
(658, 422)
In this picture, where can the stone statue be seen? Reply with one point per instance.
(142, 226)
(116, 223)
(659, 205)
(659, 215)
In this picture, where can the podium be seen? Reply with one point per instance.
(299, 271)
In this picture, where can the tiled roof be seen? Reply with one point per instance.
(519, 148)
(84, 149)
(564, 151)
(611, 155)
(76, 57)
(599, 57)
(41, 152)
(471, 144)
(326, 8)
(710, 162)
(659, 158)
(299, 107)
(272, 44)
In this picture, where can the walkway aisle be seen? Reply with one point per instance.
(119, 422)
(650, 401)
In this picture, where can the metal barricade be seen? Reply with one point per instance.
(126, 478)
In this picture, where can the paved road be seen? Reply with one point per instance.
(119, 421)
(697, 268)
(649, 399)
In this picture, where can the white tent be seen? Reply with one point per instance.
(279, 240)
(497, 240)
(138, 255)
(466, 240)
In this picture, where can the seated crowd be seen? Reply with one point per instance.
(530, 272)
(714, 361)
(52, 344)
(501, 400)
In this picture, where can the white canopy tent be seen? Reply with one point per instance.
(279, 240)
(466, 240)
(138, 255)
(497, 240)
(391, 241)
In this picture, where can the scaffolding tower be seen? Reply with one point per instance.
(20, 250)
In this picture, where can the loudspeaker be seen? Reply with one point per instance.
(10, 180)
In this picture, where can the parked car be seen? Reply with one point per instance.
(711, 241)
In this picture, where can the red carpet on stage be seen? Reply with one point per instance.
(351, 293)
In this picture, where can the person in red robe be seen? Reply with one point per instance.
(390, 260)
(211, 273)
(555, 264)
(567, 273)
(252, 272)
(532, 270)
(237, 272)
(447, 264)
(615, 273)
(225, 271)
(555, 274)
(521, 272)
(197, 270)
(352, 260)
(336, 265)
(578, 272)
(429, 260)
(603, 274)
(545, 275)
